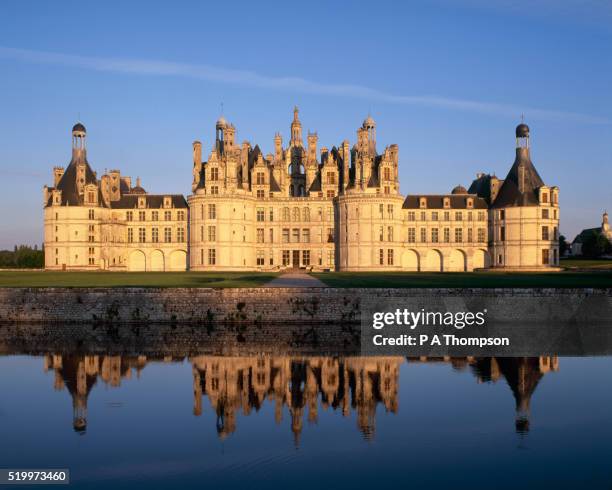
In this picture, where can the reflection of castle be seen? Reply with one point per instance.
(299, 383)
(233, 383)
(521, 373)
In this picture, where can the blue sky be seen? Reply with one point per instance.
(445, 80)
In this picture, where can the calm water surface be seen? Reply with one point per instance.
(309, 422)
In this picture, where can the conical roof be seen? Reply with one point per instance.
(520, 188)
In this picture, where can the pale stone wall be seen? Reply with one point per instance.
(519, 236)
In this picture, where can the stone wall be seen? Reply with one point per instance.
(290, 306)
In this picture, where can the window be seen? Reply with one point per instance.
(470, 217)
(130, 235)
(142, 216)
(201, 233)
(390, 210)
(212, 256)
(214, 174)
(545, 233)
(381, 210)
(330, 235)
(481, 234)
(458, 216)
(389, 233)
(129, 216)
(423, 216)
(330, 257)
(180, 234)
(545, 198)
(331, 178)
(305, 257)
(411, 216)
(285, 214)
(286, 257)
(555, 233)
(446, 235)
(555, 258)
(271, 216)
(458, 235)
(544, 213)
(306, 235)
(545, 256)
(212, 233)
(470, 237)
(381, 234)
(331, 193)
(481, 215)
(306, 214)
(411, 235)
(381, 257)
(91, 214)
(502, 214)
(261, 215)
(261, 260)
(387, 173)
(387, 190)
(285, 235)
(434, 235)
(141, 235)
(260, 235)
(201, 256)
(446, 216)
(212, 211)
(296, 214)
(423, 235)
(295, 235)
(180, 215)
(155, 215)
(261, 193)
(271, 235)
(92, 261)
(214, 190)
(390, 256)
(502, 233)
(167, 235)
(260, 179)
(330, 214)
(155, 235)
(434, 216)
(168, 215)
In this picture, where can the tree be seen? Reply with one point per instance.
(563, 246)
(595, 245)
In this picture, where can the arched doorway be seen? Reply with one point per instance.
(178, 260)
(410, 260)
(157, 261)
(481, 259)
(137, 261)
(433, 261)
(457, 261)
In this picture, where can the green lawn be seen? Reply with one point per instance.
(134, 279)
(586, 263)
(465, 279)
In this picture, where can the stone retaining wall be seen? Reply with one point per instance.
(294, 306)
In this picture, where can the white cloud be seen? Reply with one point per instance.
(290, 84)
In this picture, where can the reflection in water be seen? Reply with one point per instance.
(299, 383)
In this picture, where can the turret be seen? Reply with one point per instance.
(58, 172)
(296, 129)
(79, 147)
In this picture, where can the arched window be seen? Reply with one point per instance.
(285, 214)
(296, 214)
(306, 214)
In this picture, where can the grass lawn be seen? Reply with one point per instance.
(587, 263)
(134, 279)
(465, 279)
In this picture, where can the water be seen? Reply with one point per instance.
(290, 421)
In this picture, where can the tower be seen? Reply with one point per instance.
(79, 135)
(220, 135)
(296, 129)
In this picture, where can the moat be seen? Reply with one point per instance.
(183, 416)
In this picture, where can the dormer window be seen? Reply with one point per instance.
(260, 178)
(447, 202)
(142, 203)
(422, 202)
(167, 202)
(214, 173)
(470, 202)
(545, 197)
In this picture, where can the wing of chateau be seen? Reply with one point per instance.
(328, 209)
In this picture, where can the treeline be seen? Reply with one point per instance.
(595, 245)
(22, 257)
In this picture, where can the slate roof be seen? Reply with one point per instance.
(584, 234)
(154, 201)
(509, 194)
(457, 201)
(68, 185)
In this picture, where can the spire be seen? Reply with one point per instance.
(296, 129)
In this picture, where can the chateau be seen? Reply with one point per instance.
(328, 209)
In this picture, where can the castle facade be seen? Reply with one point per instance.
(328, 209)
